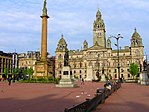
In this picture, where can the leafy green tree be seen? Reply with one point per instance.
(24, 73)
(15, 72)
(134, 69)
(6, 72)
(30, 72)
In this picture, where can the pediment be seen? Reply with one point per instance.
(95, 47)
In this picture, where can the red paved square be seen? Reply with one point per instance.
(131, 97)
(36, 97)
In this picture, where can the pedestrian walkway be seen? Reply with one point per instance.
(40, 97)
(131, 97)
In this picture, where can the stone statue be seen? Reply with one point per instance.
(145, 65)
(44, 3)
(140, 67)
(66, 59)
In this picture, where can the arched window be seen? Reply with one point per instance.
(74, 65)
(60, 72)
(137, 52)
(60, 65)
(115, 75)
(85, 65)
(90, 63)
(80, 71)
(60, 57)
(128, 75)
(80, 64)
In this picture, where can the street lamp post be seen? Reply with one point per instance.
(117, 44)
(98, 64)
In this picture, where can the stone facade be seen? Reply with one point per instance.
(100, 58)
(5, 62)
(29, 59)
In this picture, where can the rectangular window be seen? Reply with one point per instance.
(80, 71)
(122, 70)
(114, 70)
(128, 75)
(115, 75)
(65, 73)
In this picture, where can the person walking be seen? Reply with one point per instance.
(82, 81)
(9, 79)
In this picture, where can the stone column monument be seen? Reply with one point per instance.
(144, 75)
(103, 78)
(41, 67)
(66, 80)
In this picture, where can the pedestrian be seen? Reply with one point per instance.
(9, 79)
(108, 85)
(82, 81)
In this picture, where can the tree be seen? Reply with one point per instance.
(15, 72)
(134, 69)
(24, 73)
(30, 72)
(6, 71)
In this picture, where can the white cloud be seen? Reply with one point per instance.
(73, 18)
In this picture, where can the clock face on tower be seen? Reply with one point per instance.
(98, 34)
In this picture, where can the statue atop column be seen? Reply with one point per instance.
(66, 59)
(45, 3)
(145, 65)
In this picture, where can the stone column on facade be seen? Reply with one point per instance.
(90, 74)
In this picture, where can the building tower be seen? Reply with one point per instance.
(60, 52)
(42, 66)
(99, 30)
(137, 49)
(85, 45)
(108, 43)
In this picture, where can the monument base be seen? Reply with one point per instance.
(66, 83)
(144, 78)
(103, 78)
(41, 69)
(90, 75)
(67, 80)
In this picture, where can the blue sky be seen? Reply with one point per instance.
(20, 22)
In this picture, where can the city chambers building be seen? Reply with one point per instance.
(100, 58)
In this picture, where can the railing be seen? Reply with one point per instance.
(90, 104)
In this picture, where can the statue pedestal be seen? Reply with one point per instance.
(103, 78)
(41, 69)
(90, 74)
(67, 80)
(144, 78)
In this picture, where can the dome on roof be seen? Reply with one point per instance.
(62, 41)
(136, 34)
(98, 12)
(85, 42)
